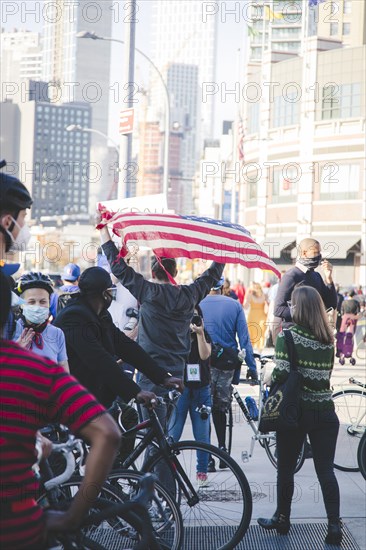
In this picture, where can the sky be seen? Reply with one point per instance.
(231, 38)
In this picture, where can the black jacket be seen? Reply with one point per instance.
(166, 310)
(94, 344)
(295, 277)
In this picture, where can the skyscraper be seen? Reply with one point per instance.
(181, 35)
(21, 60)
(81, 68)
(184, 48)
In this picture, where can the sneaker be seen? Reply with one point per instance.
(202, 479)
(211, 466)
(222, 464)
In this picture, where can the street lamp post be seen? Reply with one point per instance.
(93, 36)
(79, 128)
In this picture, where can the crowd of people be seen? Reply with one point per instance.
(73, 348)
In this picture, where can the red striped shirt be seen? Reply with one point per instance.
(33, 392)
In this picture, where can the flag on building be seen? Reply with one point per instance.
(252, 31)
(175, 236)
(269, 14)
(241, 140)
(313, 3)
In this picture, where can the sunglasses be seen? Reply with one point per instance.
(113, 292)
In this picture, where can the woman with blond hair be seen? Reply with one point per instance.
(314, 346)
(256, 301)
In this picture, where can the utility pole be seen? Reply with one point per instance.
(125, 166)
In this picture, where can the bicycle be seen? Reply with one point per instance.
(361, 455)
(115, 517)
(350, 406)
(202, 507)
(266, 440)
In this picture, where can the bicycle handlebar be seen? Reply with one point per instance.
(66, 449)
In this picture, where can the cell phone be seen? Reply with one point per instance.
(196, 320)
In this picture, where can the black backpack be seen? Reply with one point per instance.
(64, 299)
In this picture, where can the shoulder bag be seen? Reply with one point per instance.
(281, 410)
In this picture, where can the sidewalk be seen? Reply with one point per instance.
(307, 505)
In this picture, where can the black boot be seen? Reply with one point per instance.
(279, 522)
(334, 535)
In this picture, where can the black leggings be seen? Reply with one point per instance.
(322, 428)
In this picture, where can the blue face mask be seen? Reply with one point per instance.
(36, 314)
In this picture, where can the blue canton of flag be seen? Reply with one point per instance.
(313, 3)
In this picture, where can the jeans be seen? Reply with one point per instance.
(322, 428)
(190, 400)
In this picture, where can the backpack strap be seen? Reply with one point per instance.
(291, 349)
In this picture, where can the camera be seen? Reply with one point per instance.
(133, 314)
(196, 320)
(204, 411)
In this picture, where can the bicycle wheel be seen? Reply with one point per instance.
(219, 514)
(113, 532)
(270, 447)
(350, 406)
(164, 512)
(361, 455)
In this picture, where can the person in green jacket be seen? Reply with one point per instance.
(314, 343)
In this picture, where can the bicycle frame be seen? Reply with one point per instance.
(258, 436)
(155, 432)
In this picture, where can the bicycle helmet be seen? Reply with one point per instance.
(34, 280)
(13, 194)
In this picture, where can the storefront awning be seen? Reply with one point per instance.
(273, 246)
(340, 247)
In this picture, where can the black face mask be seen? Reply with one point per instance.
(311, 263)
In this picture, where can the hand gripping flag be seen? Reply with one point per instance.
(175, 236)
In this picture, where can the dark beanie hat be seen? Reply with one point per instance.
(94, 280)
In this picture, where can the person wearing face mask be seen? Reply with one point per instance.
(96, 346)
(33, 330)
(14, 233)
(14, 202)
(303, 273)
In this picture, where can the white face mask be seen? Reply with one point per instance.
(20, 243)
(36, 314)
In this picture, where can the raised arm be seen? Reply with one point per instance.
(244, 340)
(203, 284)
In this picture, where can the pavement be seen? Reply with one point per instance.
(307, 504)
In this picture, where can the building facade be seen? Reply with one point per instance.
(54, 163)
(80, 69)
(21, 61)
(304, 169)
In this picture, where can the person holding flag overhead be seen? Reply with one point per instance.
(166, 310)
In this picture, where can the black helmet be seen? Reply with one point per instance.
(13, 194)
(34, 280)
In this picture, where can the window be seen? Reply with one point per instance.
(341, 101)
(340, 181)
(286, 110)
(333, 29)
(253, 118)
(252, 182)
(346, 29)
(284, 184)
(347, 6)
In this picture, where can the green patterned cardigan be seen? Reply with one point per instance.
(315, 363)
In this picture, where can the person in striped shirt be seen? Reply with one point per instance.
(34, 392)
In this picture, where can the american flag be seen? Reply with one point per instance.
(241, 140)
(313, 3)
(175, 236)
